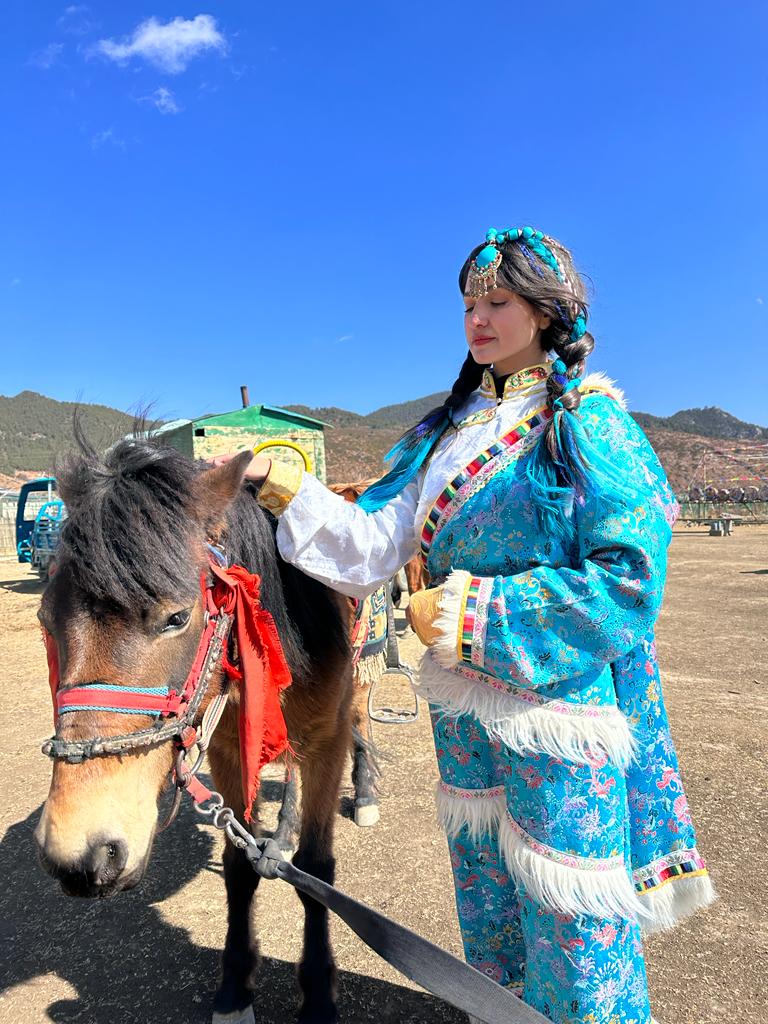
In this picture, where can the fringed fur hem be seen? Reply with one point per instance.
(561, 882)
(675, 900)
(552, 727)
(602, 889)
(369, 670)
(479, 810)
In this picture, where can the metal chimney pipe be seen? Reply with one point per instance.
(244, 395)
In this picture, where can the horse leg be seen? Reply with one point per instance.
(240, 960)
(364, 770)
(322, 763)
(287, 830)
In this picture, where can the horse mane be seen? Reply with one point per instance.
(133, 526)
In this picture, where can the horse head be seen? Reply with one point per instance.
(124, 610)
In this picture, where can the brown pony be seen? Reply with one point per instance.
(124, 608)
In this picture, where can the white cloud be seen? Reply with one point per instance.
(107, 138)
(76, 21)
(345, 337)
(48, 56)
(163, 100)
(759, 302)
(170, 46)
(15, 282)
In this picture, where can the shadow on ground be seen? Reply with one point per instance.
(129, 966)
(33, 585)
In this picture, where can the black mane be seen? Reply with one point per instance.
(133, 526)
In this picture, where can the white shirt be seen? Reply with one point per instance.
(354, 551)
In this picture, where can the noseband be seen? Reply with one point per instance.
(175, 709)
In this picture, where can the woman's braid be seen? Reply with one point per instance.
(470, 376)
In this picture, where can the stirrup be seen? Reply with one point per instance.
(391, 716)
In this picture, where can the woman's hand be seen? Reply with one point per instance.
(257, 470)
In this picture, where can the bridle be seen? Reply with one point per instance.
(176, 709)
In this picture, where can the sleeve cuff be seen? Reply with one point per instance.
(446, 647)
(463, 619)
(280, 486)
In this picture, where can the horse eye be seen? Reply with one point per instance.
(177, 620)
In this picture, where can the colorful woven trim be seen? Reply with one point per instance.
(467, 618)
(507, 441)
(683, 864)
(94, 697)
(568, 860)
(472, 620)
(491, 793)
(566, 708)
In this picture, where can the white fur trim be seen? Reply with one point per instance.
(600, 888)
(561, 882)
(603, 383)
(479, 810)
(678, 898)
(447, 622)
(557, 728)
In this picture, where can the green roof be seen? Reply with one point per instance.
(258, 416)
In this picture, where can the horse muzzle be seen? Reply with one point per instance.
(99, 872)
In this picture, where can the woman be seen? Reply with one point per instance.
(544, 517)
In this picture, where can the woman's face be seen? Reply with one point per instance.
(504, 329)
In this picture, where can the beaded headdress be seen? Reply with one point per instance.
(484, 267)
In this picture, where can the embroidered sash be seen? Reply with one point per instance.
(452, 495)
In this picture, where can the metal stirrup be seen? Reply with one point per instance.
(395, 667)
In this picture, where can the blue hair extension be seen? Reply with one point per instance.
(408, 456)
(579, 473)
(532, 261)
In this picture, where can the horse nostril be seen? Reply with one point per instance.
(106, 861)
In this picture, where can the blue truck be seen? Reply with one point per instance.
(40, 515)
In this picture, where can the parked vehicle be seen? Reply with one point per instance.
(38, 526)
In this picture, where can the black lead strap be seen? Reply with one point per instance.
(428, 965)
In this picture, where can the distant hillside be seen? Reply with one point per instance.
(329, 414)
(34, 428)
(707, 422)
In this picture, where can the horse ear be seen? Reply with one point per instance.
(217, 487)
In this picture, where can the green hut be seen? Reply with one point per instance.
(280, 433)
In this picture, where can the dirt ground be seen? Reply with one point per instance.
(152, 955)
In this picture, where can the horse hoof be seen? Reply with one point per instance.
(366, 815)
(235, 1017)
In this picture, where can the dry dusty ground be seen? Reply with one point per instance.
(152, 955)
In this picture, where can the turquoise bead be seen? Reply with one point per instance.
(486, 256)
(527, 232)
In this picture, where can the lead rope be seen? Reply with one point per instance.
(431, 967)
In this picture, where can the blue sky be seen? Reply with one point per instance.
(197, 196)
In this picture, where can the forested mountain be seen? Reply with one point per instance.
(707, 422)
(34, 428)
